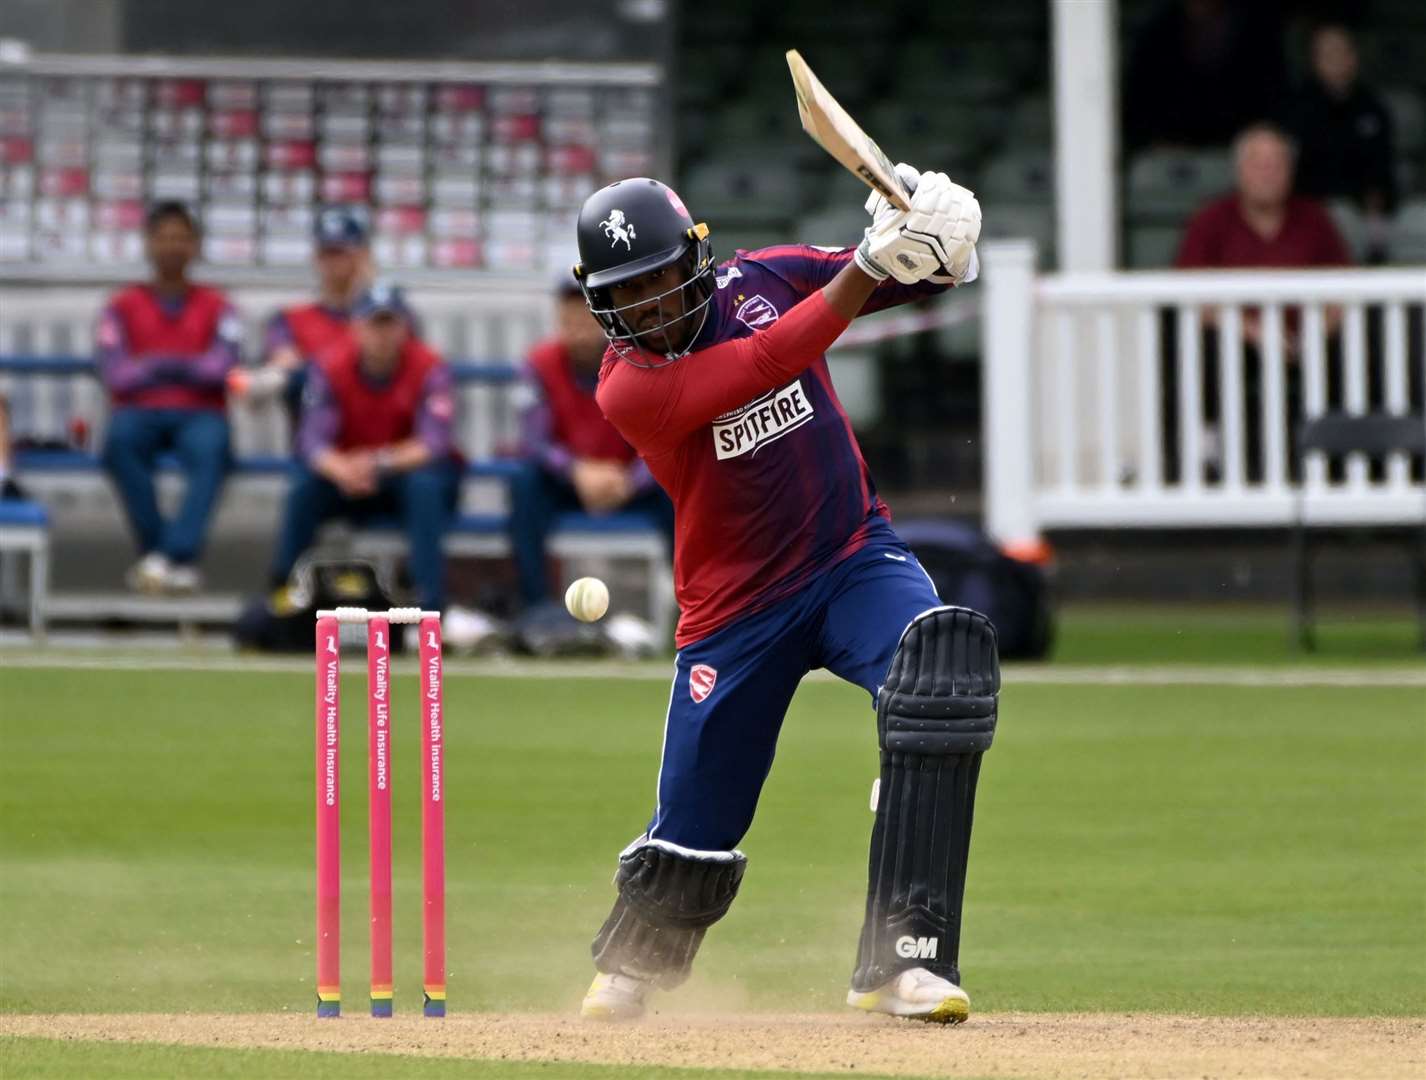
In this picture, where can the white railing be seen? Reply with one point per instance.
(494, 321)
(1099, 395)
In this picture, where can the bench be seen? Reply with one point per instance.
(24, 529)
(472, 535)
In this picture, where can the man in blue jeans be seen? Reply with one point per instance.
(376, 441)
(164, 349)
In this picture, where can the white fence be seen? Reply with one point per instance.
(490, 321)
(1170, 399)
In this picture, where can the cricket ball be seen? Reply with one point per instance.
(587, 599)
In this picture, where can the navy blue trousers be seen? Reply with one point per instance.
(732, 688)
(536, 499)
(422, 500)
(199, 439)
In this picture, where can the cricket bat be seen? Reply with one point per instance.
(838, 134)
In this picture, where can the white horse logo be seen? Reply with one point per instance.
(617, 228)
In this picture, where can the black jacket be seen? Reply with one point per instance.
(1345, 145)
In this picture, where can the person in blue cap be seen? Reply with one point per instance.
(298, 334)
(376, 441)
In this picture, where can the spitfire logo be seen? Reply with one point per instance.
(617, 228)
(763, 420)
(700, 682)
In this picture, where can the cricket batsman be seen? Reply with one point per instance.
(785, 561)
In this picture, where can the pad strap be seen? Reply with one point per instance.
(668, 897)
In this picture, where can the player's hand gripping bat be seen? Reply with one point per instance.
(944, 227)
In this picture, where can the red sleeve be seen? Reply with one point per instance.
(656, 408)
(1198, 248)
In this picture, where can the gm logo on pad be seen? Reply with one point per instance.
(919, 948)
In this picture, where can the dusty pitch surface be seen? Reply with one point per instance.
(1031, 1046)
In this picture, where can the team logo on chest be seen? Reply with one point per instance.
(761, 421)
(756, 312)
(700, 682)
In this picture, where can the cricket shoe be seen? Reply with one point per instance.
(149, 575)
(615, 997)
(182, 579)
(916, 994)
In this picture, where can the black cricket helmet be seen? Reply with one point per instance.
(631, 228)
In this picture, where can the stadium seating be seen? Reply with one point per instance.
(1021, 221)
(980, 75)
(1031, 123)
(1152, 247)
(1408, 244)
(745, 190)
(838, 225)
(1408, 116)
(1020, 177)
(1164, 186)
(930, 137)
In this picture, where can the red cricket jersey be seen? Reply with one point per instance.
(372, 415)
(316, 328)
(137, 322)
(706, 427)
(748, 438)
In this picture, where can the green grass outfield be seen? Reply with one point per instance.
(43, 1059)
(1170, 848)
(1235, 634)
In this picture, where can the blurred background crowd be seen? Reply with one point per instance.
(333, 213)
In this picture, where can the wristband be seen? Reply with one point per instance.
(864, 261)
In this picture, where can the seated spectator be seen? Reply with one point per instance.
(375, 440)
(298, 334)
(1260, 225)
(1200, 70)
(575, 459)
(1344, 135)
(164, 350)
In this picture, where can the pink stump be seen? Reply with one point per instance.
(379, 716)
(329, 824)
(433, 818)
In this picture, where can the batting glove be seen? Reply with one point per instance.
(941, 228)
